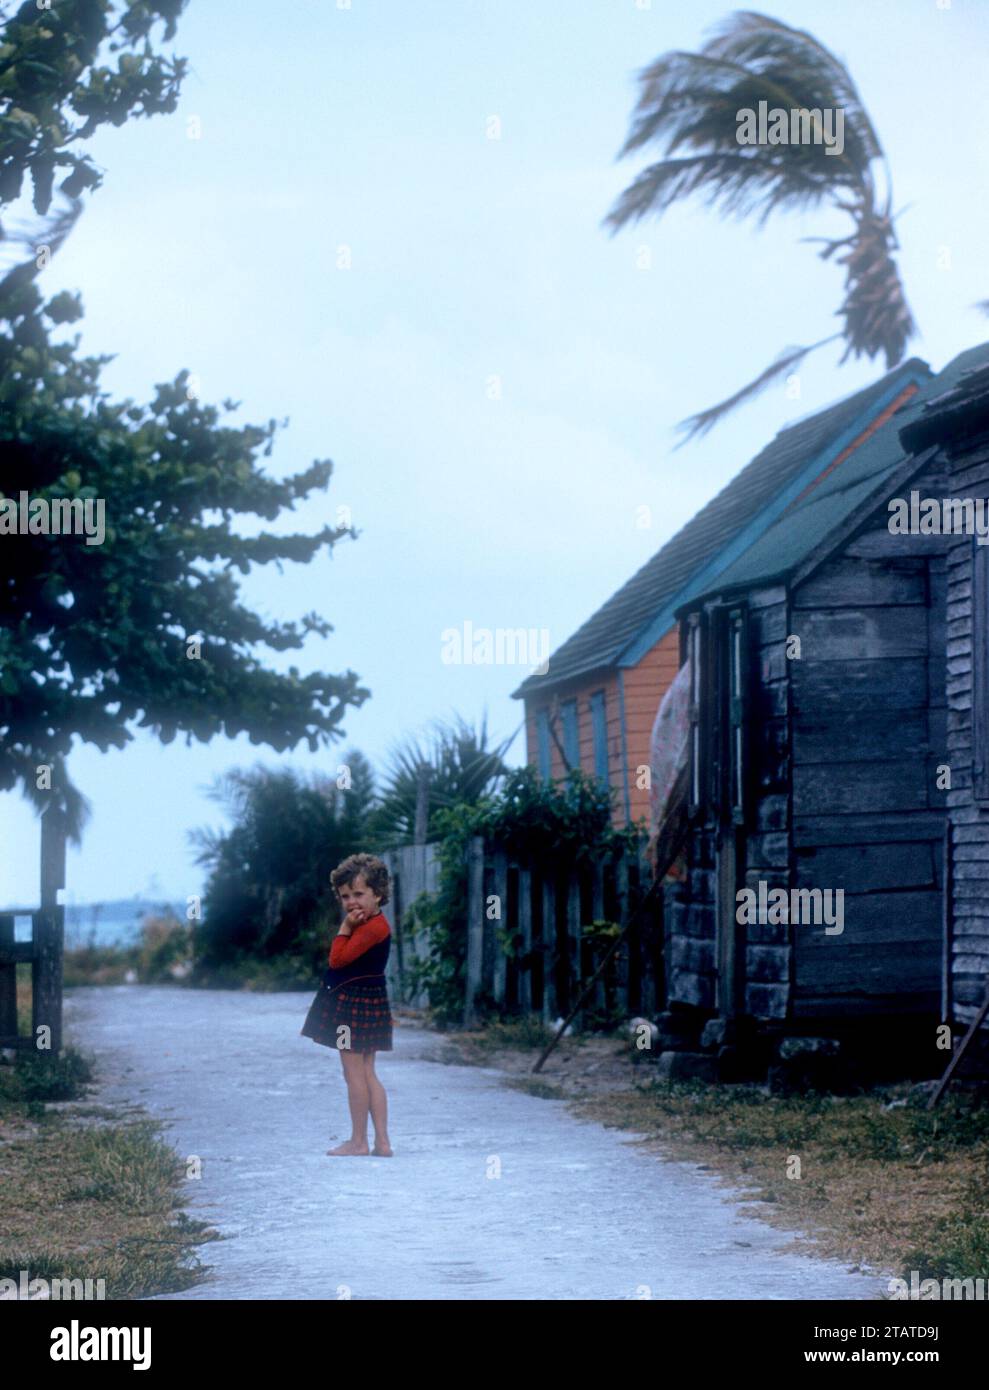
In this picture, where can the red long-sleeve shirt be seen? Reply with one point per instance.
(345, 949)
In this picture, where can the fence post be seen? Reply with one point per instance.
(49, 931)
(525, 931)
(398, 962)
(8, 981)
(575, 972)
(597, 913)
(475, 927)
(621, 955)
(500, 876)
(549, 943)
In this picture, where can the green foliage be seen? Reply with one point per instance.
(268, 892)
(165, 950)
(69, 69)
(959, 1243)
(533, 820)
(127, 1166)
(94, 638)
(456, 766)
(44, 1076)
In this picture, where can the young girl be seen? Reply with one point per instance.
(350, 1011)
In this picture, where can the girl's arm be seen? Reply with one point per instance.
(349, 948)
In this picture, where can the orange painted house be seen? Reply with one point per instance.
(594, 706)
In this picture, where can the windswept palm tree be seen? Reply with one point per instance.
(690, 104)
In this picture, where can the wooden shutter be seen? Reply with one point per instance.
(571, 736)
(599, 725)
(543, 744)
(697, 761)
(737, 759)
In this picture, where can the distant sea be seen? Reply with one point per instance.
(114, 923)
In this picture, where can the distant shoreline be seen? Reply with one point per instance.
(115, 922)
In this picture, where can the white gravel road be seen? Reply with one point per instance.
(491, 1194)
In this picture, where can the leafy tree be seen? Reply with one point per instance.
(689, 102)
(58, 85)
(268, 891)
(96, 636)
(455, 765)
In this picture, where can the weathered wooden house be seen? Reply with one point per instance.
(956, 422)
(814, 901)
(594, 706)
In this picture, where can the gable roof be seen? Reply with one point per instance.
(643, 609)
(823, 517)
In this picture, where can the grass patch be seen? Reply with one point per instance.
(892, 1186)
(524, 1033)
(42, 1076)
(86, 1196)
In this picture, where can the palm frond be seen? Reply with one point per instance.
(769, 46)
(64, 794)
(458, 765)
(690, 103)
(698, 425)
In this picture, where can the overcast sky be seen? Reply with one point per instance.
(472, 260)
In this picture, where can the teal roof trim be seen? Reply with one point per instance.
(750, 534)
(821, 521)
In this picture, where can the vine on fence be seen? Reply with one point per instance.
(533, 820)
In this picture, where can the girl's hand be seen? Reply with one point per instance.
(353, 919)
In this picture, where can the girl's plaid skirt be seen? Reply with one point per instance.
(361, 1006)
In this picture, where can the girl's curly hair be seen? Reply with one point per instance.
(374, 871)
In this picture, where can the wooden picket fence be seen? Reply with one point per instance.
(413, 869)
(527, 950)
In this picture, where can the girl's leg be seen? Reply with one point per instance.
(357, 1099)
(379, 1108)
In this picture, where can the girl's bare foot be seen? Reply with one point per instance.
(382, 1150)
(348, 1148)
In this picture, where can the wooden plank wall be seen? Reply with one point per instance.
(969, 906)
(869, 728)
